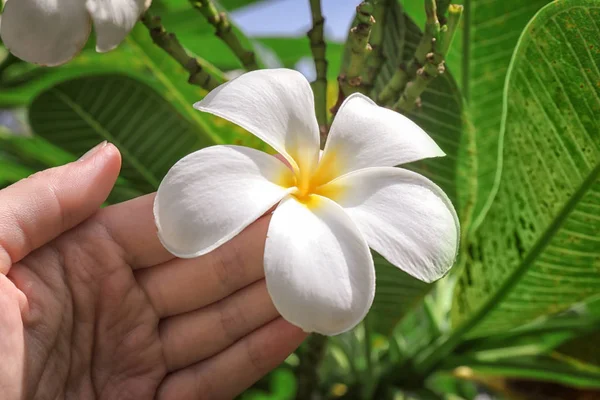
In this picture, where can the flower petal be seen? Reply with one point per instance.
(211, 195)
(318, 268)
(277, 105)
(45, 32)
(113, 19)
(404, 216)
(365, 135)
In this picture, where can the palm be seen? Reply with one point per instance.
(103, 311)
(88, 319)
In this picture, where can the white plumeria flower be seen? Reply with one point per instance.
(51, 32)
(318, 267)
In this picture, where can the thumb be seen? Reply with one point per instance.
(37, 209)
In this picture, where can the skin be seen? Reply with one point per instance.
(93, 307)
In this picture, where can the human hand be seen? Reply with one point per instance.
(93, 307)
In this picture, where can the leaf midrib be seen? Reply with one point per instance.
(448, 343)
(99, 129)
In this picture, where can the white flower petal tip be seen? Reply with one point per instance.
(277, 106)
(318, 267)
(211, 195)
(113, 19)
(52, 32)
(365, 135)
(404, 217)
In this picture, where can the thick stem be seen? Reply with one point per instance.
(403, 75)
(318, 48)
(224, 31)
(359, 46)
(454, 14)
(434, 65)
(169, 43)
(350, 78)
(442, 8)
(412, 91)
(376, 58)
(310, 359)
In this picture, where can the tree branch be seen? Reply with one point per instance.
(318, 48)
(224, 31)
(434, 65)
(376, 58)
(310, 359)
(350, 78)
(405, 73)
(169, 43)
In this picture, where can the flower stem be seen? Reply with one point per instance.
(310, 359)
(169, 43)
(434, 65)
(350, 78)
(318, 48)
(405, 73)
(224, 31)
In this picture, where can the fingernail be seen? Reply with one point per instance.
(93, 151)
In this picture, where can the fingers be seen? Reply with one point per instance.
(192, 337)
(131, 225)
(11, 340)
(41, 207)
(183, 285)
(235, 369)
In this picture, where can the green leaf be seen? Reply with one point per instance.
(396, 294)
(26, 81)
(149, 132)
(541, 336)
(490, 33)
(441, 116)
(544, 368)
(584, 348)
(537, 252)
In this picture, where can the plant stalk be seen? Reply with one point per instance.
(435, 60)
(350, 78)
(318, 49)
(225, 32)
(406, 73)
(169, 43)
(310, 359)
(376, 58)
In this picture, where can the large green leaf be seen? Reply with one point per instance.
(545, 368)
(23, 82)
(585, 347)
(440, 115)
(537, 251)
(569, 330)
(149, 132)
(489, 36)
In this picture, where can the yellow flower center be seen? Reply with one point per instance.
(308, 185)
